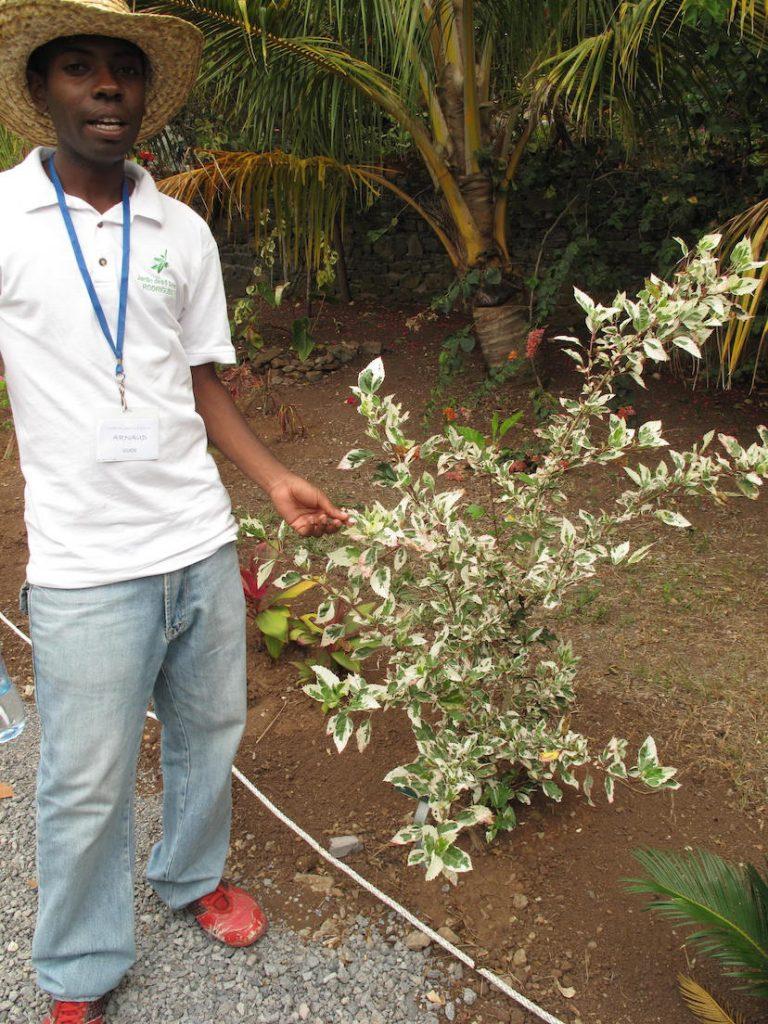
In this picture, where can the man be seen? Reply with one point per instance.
(112, 315)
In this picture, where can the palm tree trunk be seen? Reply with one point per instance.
(500, 330)
(501, 322)
(477, 190)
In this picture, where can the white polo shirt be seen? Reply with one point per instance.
(91, 522)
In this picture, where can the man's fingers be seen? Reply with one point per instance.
(326, 519)
(330, 509)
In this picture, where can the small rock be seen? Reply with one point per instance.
(342, 846)
(417, 940)
(469, 996)
(327, 928)
(520, 959)
(370, 348)
(317, 883)
(519, 902)
(304, 1011)
(449, 934)
(265, 355)
(450, 1011)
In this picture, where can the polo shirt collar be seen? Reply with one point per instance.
(37, 189)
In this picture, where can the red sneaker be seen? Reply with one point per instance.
(230, 915)
(65, 1012)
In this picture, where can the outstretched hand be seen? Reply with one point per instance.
(305, 508)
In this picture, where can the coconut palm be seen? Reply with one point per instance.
(466, 82)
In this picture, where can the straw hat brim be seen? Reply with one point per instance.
(173, 47)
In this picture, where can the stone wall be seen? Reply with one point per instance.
(407, 263)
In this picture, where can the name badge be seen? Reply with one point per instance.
(128, 436)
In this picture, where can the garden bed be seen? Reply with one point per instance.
(676, 647)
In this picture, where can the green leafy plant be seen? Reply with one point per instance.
(268, 599)
(726, 903)
(460, 633)
(301, 339)
(309, 632)
(450, 363)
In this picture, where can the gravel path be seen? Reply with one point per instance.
(183, 977)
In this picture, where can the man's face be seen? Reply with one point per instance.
(94, 91)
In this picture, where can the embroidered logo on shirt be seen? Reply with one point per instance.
(160, 262)
(158, 282)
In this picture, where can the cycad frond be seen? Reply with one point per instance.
(704, 1006)
(722, 899)
(304, 195)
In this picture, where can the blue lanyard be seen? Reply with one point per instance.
(116, 346)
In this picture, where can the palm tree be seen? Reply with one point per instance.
(466, 82)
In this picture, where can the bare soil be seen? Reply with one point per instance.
(676, 647)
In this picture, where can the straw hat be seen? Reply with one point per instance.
(172, 45)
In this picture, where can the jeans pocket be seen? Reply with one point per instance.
(24, 599)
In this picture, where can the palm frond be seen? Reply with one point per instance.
(609, 58)
(704, 1006)
(702, 889)
(746, 11)
(752, 223)
(310, 71)
(305, 196)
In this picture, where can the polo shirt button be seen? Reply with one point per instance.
(100, 224)
(102, 262)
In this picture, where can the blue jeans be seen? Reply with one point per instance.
(100, 655)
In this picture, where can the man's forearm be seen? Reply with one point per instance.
(228, 430)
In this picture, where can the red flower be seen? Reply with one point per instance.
(351, 400)
(147, 156)
(450, 413)
(625, 412)
(533, 341)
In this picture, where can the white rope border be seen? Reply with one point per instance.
(494, 979)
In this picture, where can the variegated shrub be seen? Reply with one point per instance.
(463, 585)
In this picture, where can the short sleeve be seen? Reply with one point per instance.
(205, 332)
